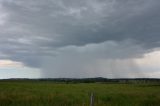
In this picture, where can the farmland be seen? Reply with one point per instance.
(48, 93)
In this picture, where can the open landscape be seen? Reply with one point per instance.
(79, 52)
(50, 93)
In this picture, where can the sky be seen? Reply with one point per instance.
(79, 38)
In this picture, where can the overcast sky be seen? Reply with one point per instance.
(79, 38)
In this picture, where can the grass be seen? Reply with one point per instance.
(43, 93)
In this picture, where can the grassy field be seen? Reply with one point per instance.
(43, 93)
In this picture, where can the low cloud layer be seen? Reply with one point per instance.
(80, 38)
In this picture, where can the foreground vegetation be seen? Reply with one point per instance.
(48, 93)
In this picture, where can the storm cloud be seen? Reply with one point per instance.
(82, 38)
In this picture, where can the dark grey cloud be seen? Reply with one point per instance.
(83, 22)
(33, 31)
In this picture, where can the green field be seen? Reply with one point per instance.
(43, 93)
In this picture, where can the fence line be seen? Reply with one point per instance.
(92, 99)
